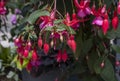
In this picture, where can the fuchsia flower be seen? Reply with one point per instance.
(2, 8)
(74, 23)
(98, 20)
(83, 8)
(105, 25)
(46, 48)
(71, 43)
(118, 8)
(62, 56)
(115, 20)
(47, 20)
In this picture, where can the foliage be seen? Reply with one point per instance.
(70, 36)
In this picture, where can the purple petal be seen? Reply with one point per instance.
(81, 13)
(42, 25)
(88, 11)
(98, 21)
(17, 11)
(13, 19)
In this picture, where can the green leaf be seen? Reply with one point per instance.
(93, 57)
(15, 59)
(108, 73)
(70, 30)
(58, 21)
(87, 45)
(19, 66)
(79, 43)
(116, 48)
(48, 28)
(10, 74)
(36, 14)
(97, 64)
(90, 78)
(25, 62)
(78, 69)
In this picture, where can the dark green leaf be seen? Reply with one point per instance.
(35, 15)
(108, 73)
(87, 45)
(116, 48)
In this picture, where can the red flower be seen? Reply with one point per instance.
(46, 48)
(47, 20)
(115, 21)
(64, 56)
(71, 43)
(34, 55)
(29, 66)
(105, 26)
(118, 8)
(74, 23)
(2, 8)
(83, 8)
(59, 56)
(40, 42)
(26, 52)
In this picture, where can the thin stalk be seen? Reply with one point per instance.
(64, 6)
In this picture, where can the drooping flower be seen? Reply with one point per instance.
(59, 56)
(105, 25)
(71, 43)
(2, 8)
(46, 48)
(115, 21)
(74, 23)
(98, 20)
(26, 52)
(83, 8)
(47, 20)
(64, 56)
(34, 55)
(118, 8)
(29, 66)
(40, 43)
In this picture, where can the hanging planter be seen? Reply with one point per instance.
(77, 42)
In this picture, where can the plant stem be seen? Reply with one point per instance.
(64, 6)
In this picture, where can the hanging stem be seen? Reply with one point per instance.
(55, 3)
(64, 6)
(72, 6)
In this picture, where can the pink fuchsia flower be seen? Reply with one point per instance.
(47, 20)
(105, 25)
(83, 8)
(62, 56)
(55, 35)
(99, 14)
(14, 19)
(74, 23)
(2, 8)
(115, 20)
(98, 21)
